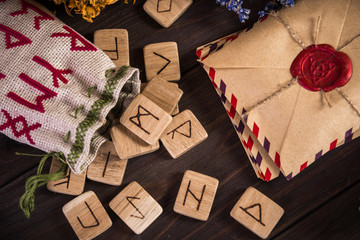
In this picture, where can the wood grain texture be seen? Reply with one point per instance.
(145, 119)
(136, 207)
(184, 133)
(72, 184)
(164, 94)
(162, 61)
(87, 216)
(307, 199)
(166, 12)
(257, 212)
(128, 145)
(115, 43)
(107, 167)
(196, 195)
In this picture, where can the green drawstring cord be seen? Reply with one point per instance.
(38, 180)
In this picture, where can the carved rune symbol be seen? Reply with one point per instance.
(67, 181)
(197, 199)
(139, 115)
(251, 215)
(115, 51)
(168, 62)
(107, 162)
(135, 216)
(186, 127)
(92, 213)
(161, 6)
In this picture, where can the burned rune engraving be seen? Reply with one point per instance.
(114, 51)
(92, 213)
(137, 118)
(182, 126)
(197, 199)
(67, 181)
(161, 6)
(141, 215)
(253, 206)
(168, 62)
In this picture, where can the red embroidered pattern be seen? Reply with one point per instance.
(12, 122)
(11, 33)
(57, 74)
(24, 10)
(75, 36)
(39, 99)
(2, 76)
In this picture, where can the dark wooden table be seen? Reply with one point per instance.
(320, 203)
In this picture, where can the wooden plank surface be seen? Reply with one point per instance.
(307, 199)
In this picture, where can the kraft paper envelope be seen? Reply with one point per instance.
(294, 125)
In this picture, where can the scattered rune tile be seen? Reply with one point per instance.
(107, 167)
(72, 184)
(164, 94)
(128, 145)
(257, 212)
(145, 119)
(87, 216)
(136, 207)
(196, 195)
(166, 12)
(162, 61)
(183, 133)
(115, 43)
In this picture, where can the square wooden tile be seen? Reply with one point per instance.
(145, 119)
(136, 207)
(196, 195)
(166, 12)
(183, 133)
(164, 94)
(162, 61)
(115, 43)
(257, 212)
(176, 110)
(128, 145)
(87, 216)
(72, 184)
(107, 167)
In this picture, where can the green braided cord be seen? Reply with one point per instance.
(93, 115)
(34, 182)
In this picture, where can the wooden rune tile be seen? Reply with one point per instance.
(87, 216)
(196, 195)
(183, 133)
(72, 184)
(162, 61)
(107, 167)
(164, 94)
(145, 119)
(176, 110)
(166, 12)
(257, 212)
(128, 145)
(115, 43)
(136, 207)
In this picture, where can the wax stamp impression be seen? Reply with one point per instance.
(321, 67)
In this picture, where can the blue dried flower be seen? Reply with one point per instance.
(236, 6)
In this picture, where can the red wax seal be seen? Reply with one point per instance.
(321, 67)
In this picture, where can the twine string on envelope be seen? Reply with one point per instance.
(289, 28)
(293, 80)
(277, 92)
